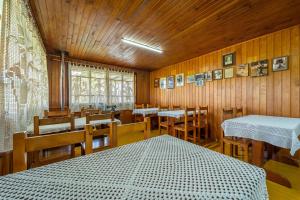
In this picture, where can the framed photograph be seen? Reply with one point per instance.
(208, 76)
(200, 82)
(156, 82)
(170, 82)
(229, 72)
(179, 80)
(190, 79)
(199, 76)
(229, 59)
(217, 74)
(280, 64)
(259, 68)
(163, 83)
(242, 70)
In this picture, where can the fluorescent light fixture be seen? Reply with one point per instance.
(141, 45)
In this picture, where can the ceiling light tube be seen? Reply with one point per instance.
(141, 45)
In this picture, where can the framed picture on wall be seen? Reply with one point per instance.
(190, 79)
(242, 70)
(229, 72)
(200, 79)
(217, 74)
(200, 82)
(259, 68)
(170, 82)
(156, 82)
(208, 76)
(163, 83)
(229, 59)
(179, 80)
(280, 64)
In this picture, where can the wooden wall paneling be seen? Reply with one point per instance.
(275, 94)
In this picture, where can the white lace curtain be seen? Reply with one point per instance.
(23, 70)
(100, 87)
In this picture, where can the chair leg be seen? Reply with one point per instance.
(231, 150)
(222, 147)
(199, 135)
(159, 129)
(194, 135)
(246, 153)
(206, 132)
(185, 135)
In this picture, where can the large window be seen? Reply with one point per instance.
(100, 87)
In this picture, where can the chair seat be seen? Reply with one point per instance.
(181, 127)
(237, 141)
(165, 124)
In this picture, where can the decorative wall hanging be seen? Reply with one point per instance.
(208, 76)
(170, 82)
(259, 68)
(242, 70)
(190, 79)
(156, 82)
(163, 83)
(179, 80)
(280, 64)
(200, 79)
(229, 59)
(217, 74)
(200, 82)
(229, 72)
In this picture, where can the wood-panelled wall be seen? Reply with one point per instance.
(142, 85)
(276, 94)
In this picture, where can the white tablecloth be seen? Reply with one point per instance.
(174, 113)
(79, 124)
(279, 131)
(145, 111)
(160, 168)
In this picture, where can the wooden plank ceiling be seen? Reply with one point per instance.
(92, 30)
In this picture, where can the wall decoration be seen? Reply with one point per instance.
(190, 79)
(163, 83)
(200, 82)
(200, 79)
(208, 76)
(229, 72)
(156, 82)
(170, 82)
(179, 80)
(229, 59)
(259, 68)
(217, 74)
(280, 63)
(242, 70)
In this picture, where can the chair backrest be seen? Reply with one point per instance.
(116, 130)
(151, 106)
(164, 108)
(203, 114)
(176, 107)
(57, 113)
(137, 106)
(37, 122)
(23, 144)
(103, 130)
(89, 111)
(189, 118)
(228, 113)
(239, 112)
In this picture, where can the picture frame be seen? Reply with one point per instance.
(242, 70)
(156, 82)
(218, 74)
(163, 83)
(170, 82)
(200, 79)
(200, 82)
(179, 80)
(259, 68)
(208, 76)
(190, 79)
(280, 64)
(228, 59)
(228, 72)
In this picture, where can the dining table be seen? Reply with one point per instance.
(162, 167)
(79, 124)
(145, 111)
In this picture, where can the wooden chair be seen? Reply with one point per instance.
(151, 106)
(120, 130)
(242, 143)
(138, 106)
(89, 111)
(23, 144)
(163, 122)
(176, 107)
(138, 117)
(202, 121)
(188, 125)
(57, 113)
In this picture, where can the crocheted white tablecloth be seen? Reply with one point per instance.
(79, 124)
(145, 111)
(173, 113)
(279, 131)
(163, 167)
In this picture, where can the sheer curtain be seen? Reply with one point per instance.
(100, 87)
(24, 78)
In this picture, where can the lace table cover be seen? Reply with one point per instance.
(160, 168)
(279, 131)
(174, 113)
(145, 111)
(79, 124)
